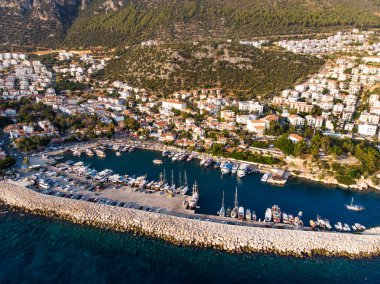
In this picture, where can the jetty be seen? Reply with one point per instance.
(184, 231)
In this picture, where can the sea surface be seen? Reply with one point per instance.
(311, 198)
(40, 250)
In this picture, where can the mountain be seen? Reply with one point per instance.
(89, 23)
(124, 22)
(37, 22)
(240, 69)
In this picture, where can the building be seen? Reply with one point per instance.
(296, 120)
(295, 138)
(367, 129)
(173, 104)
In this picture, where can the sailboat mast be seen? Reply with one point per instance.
(172, 178)
(223, 200)
(185, 181)
(164, 174)
(236, 199)
(180, 180)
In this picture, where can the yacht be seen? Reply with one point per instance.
(226, 168)
(195, 197)
(242, 171)
(234, 168)
(268, 215)
(103, 174)
(207, 163)
(241, 213)
(89, 152)
(265, 177)
(354, 207)
(248, 215)
(165, 153)
(359, 227)
(100, 153)
(285, 218)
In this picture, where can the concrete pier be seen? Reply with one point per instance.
(191, 232)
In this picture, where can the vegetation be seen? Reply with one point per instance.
(31, 143)
(7, 163)
(137, 20)
(243, 70)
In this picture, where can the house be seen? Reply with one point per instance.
(256, 126)
(167, 137)
(170, 104)
(296, 120)
(367, 129)
(295, 138)
(227, 115)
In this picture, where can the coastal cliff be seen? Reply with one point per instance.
(190, 232)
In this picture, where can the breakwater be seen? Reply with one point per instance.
(183, 231)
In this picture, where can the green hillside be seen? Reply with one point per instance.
(242, 70)
(133, 21)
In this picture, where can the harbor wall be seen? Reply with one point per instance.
(182, 231)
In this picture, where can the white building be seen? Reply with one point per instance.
(170, 104)
(367, 129)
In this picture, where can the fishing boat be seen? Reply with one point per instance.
(242, 171)
(276, 213)
(354, 207)
(235, 210)
(241, 213)
(285, 218)
(268, 215)
(89, 152)
(222, 211)
(248, 215)
(158, 162)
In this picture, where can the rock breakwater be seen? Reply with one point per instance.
(182, 231)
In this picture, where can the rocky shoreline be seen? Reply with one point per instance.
(189, 232)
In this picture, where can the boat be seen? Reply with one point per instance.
(291, 219)
(268, 215)
(241, 213)
(285, 218)
(89, 152)
(103, 175)
(354, 207)
(338, 226)
(222, 211)
(248, 215)
(228, 212)
(327, 224)
(190, 157)
(312, 224)
(265, 177)
(118, 154)
(43, 184)
(254, 217)
(359, 227)
(100, 153)
(242, 171)
(276, 213)
(217, 165)
(235, 210)
(226, 168)
(208, 162)
(184, 189)
(165, 153)
(320, 222)
(158, 162)
(195, 197)
(234, 168)
(346, 228)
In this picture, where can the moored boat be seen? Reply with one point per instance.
(354, 207)
(248, 215)
(268, 215)
(241, 213)
(276, 214)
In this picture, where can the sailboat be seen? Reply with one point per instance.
(235, 210)
(354, 207)
(222, 211)
(185, 187)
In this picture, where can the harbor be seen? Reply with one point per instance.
(255, 196)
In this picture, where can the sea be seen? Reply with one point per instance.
(42, 250)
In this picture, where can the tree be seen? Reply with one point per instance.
(284, 144)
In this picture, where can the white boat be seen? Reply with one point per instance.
(165, 153)
(268, 215)
(43, 184)
(254, 217)
(89, 152)
(100, 153)
(103, 175)
(207, 163)
(157, 162)
(118, 154)
(248, 215)
(338, 226)
(265, 177)
(226, 168)
(235, 168)
(241, 213)
(354, 207)
(195, 197)
(327, 224)
(242, 171)
(360, 227)
(285, 218)
(346, 228)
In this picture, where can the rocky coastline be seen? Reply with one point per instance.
(182, 231)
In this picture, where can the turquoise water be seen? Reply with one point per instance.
(298, 195)
(40, 250)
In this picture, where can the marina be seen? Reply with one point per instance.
(254, 195)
